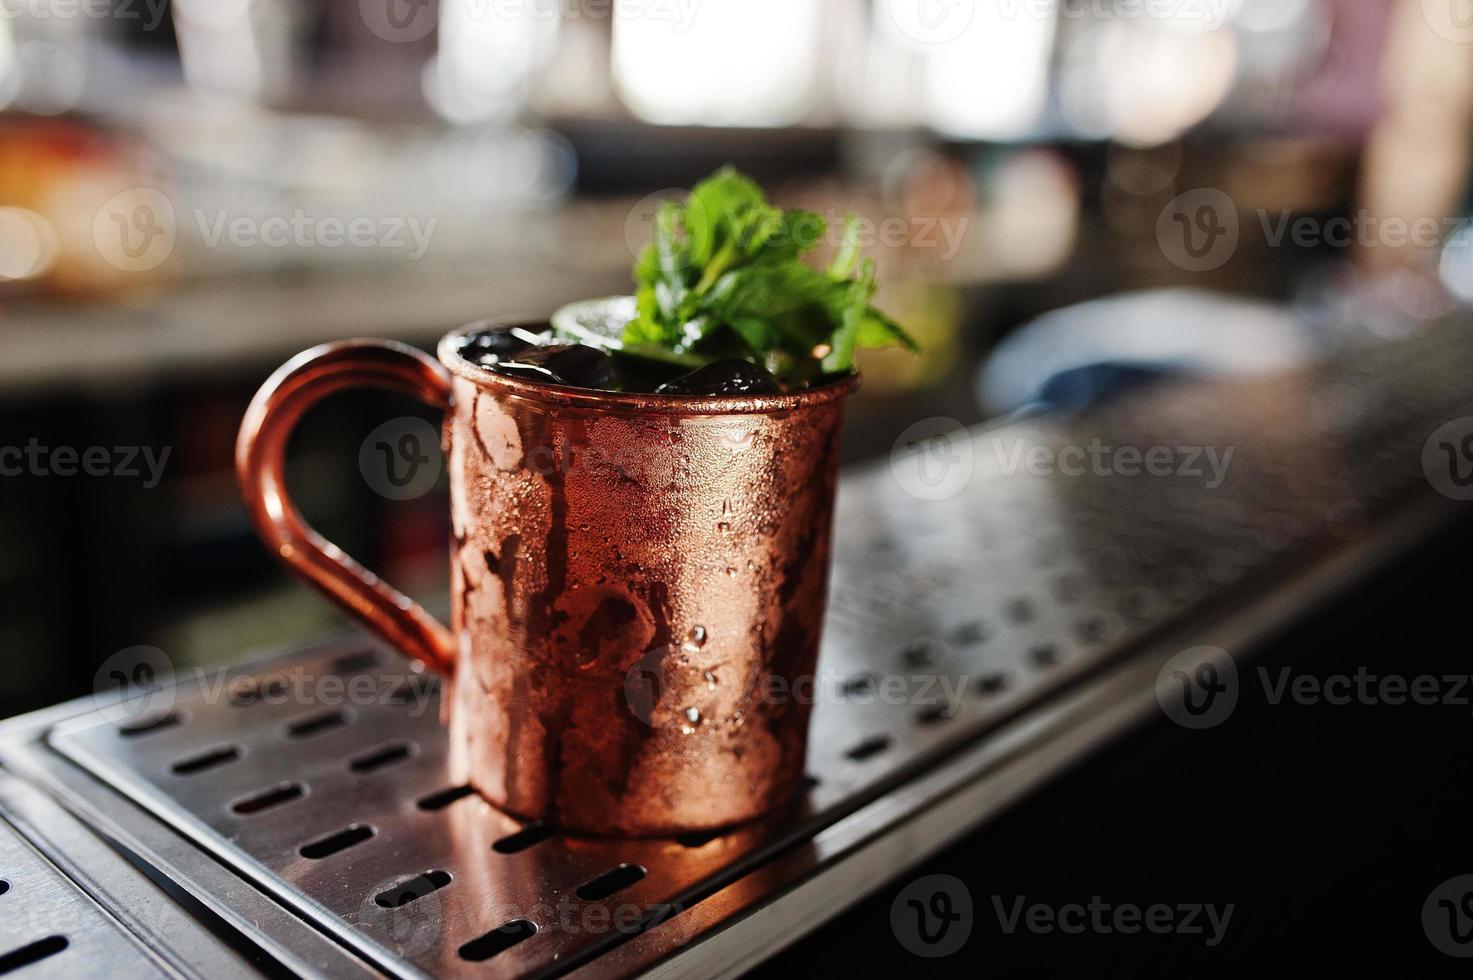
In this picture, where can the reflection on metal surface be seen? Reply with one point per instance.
(955, 625)
(50, 928)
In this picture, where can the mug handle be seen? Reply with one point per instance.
(260, 456)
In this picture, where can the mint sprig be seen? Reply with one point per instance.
(724, 276)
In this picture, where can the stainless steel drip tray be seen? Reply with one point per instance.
(343, 812)
(977, 640)
(339, 845)
(51, 927)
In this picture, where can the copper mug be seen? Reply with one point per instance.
(632, 576)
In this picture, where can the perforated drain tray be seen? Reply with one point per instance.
(50, 927)
(975, 644)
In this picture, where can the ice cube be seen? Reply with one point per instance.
(730, 376)
(493, 343)
(564, 364)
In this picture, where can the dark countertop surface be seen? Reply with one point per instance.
(1327, 827)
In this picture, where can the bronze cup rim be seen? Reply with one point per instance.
(625, 402)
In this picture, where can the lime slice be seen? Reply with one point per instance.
(600, 323)
(596, 322)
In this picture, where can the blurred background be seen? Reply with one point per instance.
(1062, 195)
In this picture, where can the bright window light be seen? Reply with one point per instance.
(718, 62)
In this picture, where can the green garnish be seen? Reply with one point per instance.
(724, 277)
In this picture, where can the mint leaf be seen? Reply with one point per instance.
(878, 330)
(848, 255)
(717, 210)
(724, 276)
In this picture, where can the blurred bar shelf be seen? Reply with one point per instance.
(242, 322)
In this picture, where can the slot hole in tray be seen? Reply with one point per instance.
(32, 953)
(869, 748)
(440, 799)
(353, 663)
(212, 758)
(529, 835)
(349, 836)
(611, 881)
(498, 940)
(145, 726)
(269, 799)
(316, 724)
(385, 755)
(412, 889)
(251, 691)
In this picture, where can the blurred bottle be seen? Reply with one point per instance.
(79, 213)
